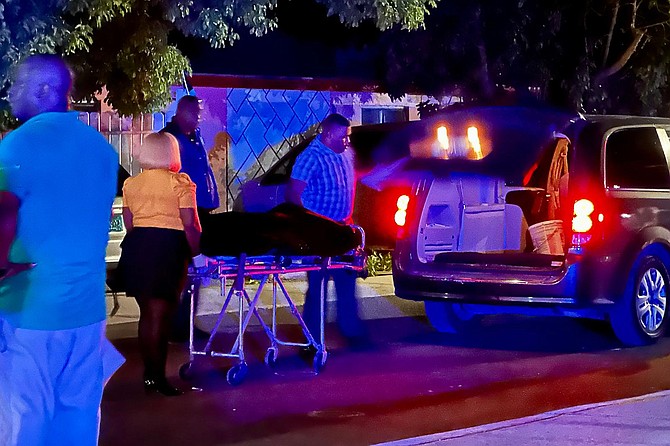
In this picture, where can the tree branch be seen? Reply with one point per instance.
(638, 35)
(615, 14)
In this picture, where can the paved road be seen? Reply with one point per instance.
(412, 382)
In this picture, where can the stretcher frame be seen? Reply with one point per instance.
(270, 268)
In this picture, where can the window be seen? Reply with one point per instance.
(370, 115)
(635, 159)
(281, 171)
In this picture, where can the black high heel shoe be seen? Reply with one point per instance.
(161, 386)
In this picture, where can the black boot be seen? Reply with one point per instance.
(162, 386)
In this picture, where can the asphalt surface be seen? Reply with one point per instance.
(411, 387)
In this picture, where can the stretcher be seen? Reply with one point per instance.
(267, 269)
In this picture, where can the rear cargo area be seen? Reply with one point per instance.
(469, 218)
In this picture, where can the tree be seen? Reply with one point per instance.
(129, 47)
(588, 55)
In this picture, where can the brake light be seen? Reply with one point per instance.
(587, 224)
(581, 220)
(443, 139)
(400, 216)
(473, 140)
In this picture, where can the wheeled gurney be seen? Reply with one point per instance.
(269, 267)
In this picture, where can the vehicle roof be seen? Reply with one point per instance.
(524, 132)
(613, 120)
(519, 135)
(527, 130)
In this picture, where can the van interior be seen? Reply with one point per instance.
(479, 214)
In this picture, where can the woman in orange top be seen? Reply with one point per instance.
(163, 233)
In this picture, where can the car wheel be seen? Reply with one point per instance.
(448, 317)
(640, 316)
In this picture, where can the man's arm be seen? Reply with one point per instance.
(127, 218)
(9, 211)
(192, 228)
(294, 189)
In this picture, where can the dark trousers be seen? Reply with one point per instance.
(182, 318)
(348, 320)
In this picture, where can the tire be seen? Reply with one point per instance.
(448, 317)
(640, 317)
(236, 374)
(319, 361)
(271, 357)
(187, 371)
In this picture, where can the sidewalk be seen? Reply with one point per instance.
(643, 421)
(375, 294)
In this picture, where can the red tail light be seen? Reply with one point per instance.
(404, 205)
(587, 224)
(400, 216)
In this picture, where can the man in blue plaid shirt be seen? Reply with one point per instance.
(323, 180)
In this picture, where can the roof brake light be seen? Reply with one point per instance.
(443, 138)
(473, 139)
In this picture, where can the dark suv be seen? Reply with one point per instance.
(541, 212)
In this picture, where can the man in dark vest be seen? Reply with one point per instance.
(194, 162)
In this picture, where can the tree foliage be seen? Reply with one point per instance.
(128, 45)
(589, 55)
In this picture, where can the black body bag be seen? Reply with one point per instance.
(286, 229)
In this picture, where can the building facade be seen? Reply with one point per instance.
(248, 123)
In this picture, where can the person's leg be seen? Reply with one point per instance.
(348, 319)
(182, 316)
(311, 313)
(203, 214)
(26, 392)
(153, 331)
(56, 386)
(78, 372)
(5, 387)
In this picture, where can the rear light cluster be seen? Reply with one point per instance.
(400, 216)
(585, 222)
(404, 205)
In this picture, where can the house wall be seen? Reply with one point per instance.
(261, 125)
(246, 130)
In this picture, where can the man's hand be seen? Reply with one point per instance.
(201, 261)
(12, 269)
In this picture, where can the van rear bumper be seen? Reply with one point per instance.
(501, 284)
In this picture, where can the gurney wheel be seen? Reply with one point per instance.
(320, 360)
(236, 374)
(187, 371)
(271, 357)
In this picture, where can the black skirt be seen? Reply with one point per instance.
(154, 263)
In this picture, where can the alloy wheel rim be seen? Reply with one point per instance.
(651, 301)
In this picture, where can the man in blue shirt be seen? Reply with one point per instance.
(194, 162)
(323, 180)
(61, 174)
